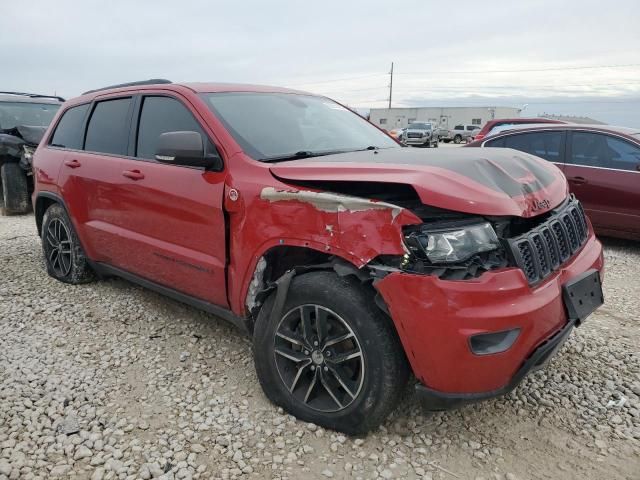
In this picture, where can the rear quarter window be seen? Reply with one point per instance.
(68, 132)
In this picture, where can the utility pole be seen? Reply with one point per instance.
(391, 85)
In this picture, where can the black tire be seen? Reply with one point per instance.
(15, 189)
(380, 372)
(457, 139)
(63, 255)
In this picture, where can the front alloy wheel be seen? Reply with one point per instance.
(331, 356)
(319, 358)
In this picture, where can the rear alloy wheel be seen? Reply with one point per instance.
(457, 139)
(63, 254)
(58, 241)
(332, 357)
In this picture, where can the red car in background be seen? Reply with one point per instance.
(491, 124)
(601, 163)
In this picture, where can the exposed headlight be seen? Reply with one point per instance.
(452, 245)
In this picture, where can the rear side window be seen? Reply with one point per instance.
(68, 133)
(600, 150)
(108, 130)
(498, 142)
(547, 145)
(160, 115)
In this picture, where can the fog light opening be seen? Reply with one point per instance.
(495, 342)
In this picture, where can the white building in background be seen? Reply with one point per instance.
(444, 117)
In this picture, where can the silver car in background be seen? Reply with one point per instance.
(420, 134)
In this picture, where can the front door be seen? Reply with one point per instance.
(602, 171)
(171, 216)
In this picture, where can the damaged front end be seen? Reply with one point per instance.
(18, 144)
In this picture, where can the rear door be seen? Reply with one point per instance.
(602, 171)
(171, 216)
(88, 178)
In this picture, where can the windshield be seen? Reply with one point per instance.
(269, 126)
(13, 114)
(419, 126)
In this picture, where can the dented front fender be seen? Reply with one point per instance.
(352, 228)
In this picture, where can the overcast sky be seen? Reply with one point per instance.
(445, 52)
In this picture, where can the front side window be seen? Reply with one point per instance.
(68, 133)
(547, 145)
(108, 129)
(160, 115)
(274, 126)
(459, 127)
(16, 114)
(605, 151)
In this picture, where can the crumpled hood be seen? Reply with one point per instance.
(12, 139)
(487, 181)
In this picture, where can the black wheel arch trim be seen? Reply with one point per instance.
(39, 214)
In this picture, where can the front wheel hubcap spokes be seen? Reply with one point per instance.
(319, 358)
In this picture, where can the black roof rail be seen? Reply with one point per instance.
(33, 95)
(152, 81)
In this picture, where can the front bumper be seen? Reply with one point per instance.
(435, 319)
(417, 141)
(435, 400)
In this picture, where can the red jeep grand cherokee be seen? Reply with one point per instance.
(350, 260)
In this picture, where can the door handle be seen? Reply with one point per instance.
(72, 163)
(133, 174)
(578, 180)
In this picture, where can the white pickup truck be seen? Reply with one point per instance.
(459, 133)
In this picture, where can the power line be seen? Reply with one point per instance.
(553, 69)
(344, 79)
(550, 69)
(476, 86)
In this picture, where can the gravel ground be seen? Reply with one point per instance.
(108, 380)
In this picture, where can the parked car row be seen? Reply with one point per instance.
(351, 261)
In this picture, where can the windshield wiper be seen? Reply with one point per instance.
(299, 155)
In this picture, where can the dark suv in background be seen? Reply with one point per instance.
(24, 118)
(601, 163)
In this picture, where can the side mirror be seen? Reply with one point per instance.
(185, 148)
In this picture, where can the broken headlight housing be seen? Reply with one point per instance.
(450, 245)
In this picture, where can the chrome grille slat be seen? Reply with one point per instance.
(542, 250)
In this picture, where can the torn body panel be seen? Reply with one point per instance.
(352, 228)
